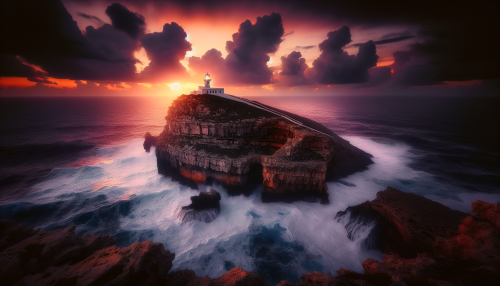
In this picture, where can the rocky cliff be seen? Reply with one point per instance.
(209, 138)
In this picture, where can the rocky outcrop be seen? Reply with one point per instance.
(467, 255)
(459, 249)
(149, 141)
(417, 219)
(213, 139)
(60, 257)
(204, 207)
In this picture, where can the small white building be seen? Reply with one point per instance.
(207, 89)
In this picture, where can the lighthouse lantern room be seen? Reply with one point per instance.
(207, 89)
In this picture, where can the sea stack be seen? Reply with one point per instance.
(240, 143)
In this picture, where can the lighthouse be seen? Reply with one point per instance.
(207, 89)
(207, 80)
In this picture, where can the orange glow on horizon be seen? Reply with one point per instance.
(6, 82)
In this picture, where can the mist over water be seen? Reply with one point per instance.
(115, 189)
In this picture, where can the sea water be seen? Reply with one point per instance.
(81, 162)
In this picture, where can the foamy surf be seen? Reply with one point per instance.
(121, 193)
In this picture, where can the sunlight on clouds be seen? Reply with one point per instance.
(268, 87)
(148, 85)
(142, 56)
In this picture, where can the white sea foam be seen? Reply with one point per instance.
(308, 231)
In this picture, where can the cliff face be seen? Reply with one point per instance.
(209, 138)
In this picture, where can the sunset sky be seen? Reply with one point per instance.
(163, 48)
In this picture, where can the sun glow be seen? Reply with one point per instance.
(175, 86)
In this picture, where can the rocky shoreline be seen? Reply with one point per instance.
(448, 247)
(210, 139)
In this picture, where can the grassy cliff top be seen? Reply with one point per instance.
(215, 108)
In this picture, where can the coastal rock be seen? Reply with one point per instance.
(235, 277)
(149, 141)
(60, 257)
(479, 237)
(26, 251)
(204, 207)
(142, 263)
(212, 139)
(459, 249)
(417, 219)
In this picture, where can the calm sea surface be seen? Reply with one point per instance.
(80, 161)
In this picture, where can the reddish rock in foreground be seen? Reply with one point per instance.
(452, 248)
(417, 219)
(60, 257)
(470, 256)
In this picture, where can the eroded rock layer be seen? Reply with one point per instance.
(208, 138)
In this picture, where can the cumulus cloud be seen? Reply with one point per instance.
(335, 66)
(92, 18)
(305, 47)
(246, 62)
(413, 69)
(125, 20)
(387, 41)
(293, 64)
(12, 66)
(247, 58)
(212, 61)
(378, 76)
(293, 67)
(47, 36)
(165, 49)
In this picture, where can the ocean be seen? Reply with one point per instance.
(80, 161)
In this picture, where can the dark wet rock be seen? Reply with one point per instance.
(235, 277)
(59, 257)
(213, 139)
(142, 263)
(204, 207)
(460, 250)
(418, 219)
(149, 141)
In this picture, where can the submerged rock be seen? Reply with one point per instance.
(204, 207)
(213, 139)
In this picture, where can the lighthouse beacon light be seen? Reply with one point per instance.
(207, 89)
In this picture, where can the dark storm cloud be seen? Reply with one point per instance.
(387, 41)
(293, 67)
(305, 47)
(165, 49)
(247, 58)
(212, 61)
(11, 66)
(288, 34)
(461, 38)
(413, 68)
(293, 64)
(378, 76)
(246, 62)
(125, 20)
(46, 35)
(91, 18)
(335, 66)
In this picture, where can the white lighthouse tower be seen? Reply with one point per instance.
(207, 89)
